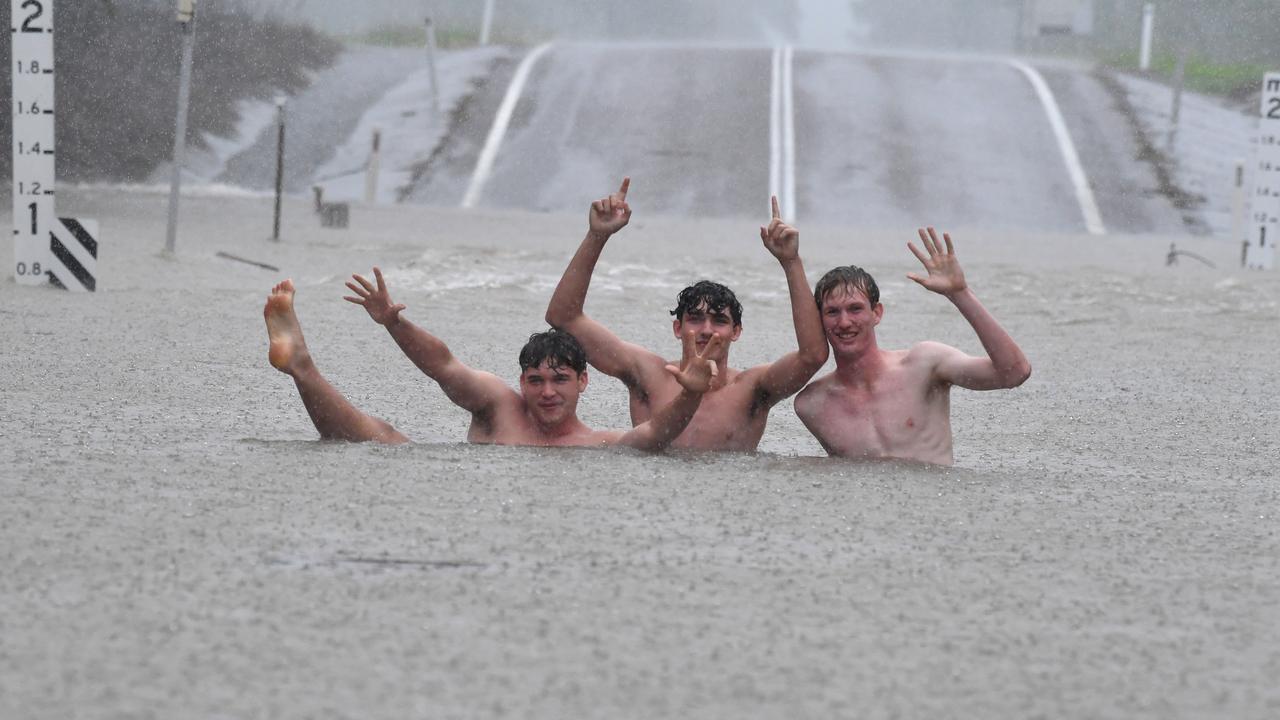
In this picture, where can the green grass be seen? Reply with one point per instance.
(1234, 80)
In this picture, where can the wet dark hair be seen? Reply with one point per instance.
(717, 298)
(847, 277)
(557, 348)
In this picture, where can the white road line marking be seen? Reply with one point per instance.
(788, 139)
(484, 165)
(1084, 194)
(775, 128)
(782, 133)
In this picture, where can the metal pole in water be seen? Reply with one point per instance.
(431, 64)
(1238, 232)
(187, 21)
(486, 23)
(275, 227)
(371, 174)
(1148, 27)
(1175, 111)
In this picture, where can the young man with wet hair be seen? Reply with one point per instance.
(897, 403)
(736, 407)
(544, 412)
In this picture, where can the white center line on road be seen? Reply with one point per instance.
(484, 165)
(1084, 194)
(782, 133)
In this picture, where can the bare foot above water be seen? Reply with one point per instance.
(288, 351)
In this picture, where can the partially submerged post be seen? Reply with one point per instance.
(1265, 216)
(1148, 27)
(187, 23)
(275, 227)
(371, 172)
(486, 22)
(1175, 110)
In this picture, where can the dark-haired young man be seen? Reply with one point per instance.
(897, 403)
(544, 412)
(735, 409)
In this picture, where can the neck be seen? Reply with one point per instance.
(568, 426)
(861, 367)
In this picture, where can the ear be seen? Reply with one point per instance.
(675, 327)
(879, 311)
(737, 333)
(582, 381)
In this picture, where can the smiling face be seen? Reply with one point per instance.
(551, 393)
(849, 319)
(706, 323)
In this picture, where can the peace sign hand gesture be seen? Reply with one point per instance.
(698, 372)
(375, 300)
(945, 276)
(780, 239)
(610, 214)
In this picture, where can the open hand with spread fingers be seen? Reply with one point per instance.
(945, 276)
(780, 239)
(374, 299)
(698, 372)
(610, 214)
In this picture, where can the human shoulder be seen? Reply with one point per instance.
(811, 398)
(928, 351)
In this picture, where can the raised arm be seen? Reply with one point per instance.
(790, 372)
(695, 378)
(475, 391)
(1005, 366)
(606, 352)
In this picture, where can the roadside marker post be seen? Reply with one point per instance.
(1148, 29)
(187, 23)
(31, 35)
(47, 249)
(275, 224)
(372, 170)
(486, 22)
(1265, 215)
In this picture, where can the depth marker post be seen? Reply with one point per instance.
(34, 133)
(187, 21)
(1264, 219)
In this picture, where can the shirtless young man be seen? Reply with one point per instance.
(897, 403)
(544, 412)
(735, 409)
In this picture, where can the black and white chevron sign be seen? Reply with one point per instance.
(73, 255)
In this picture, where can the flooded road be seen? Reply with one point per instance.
(178, 544)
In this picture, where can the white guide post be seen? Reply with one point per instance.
(1148, 27)
(486, 22)
(1265, 218)
(31, 32)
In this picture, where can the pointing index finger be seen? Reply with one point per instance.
(777, 214)
(626, 185)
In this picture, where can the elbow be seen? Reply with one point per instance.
(1018, 374)
(815, 358)
(556, 318)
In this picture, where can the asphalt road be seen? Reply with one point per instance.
(879, 141)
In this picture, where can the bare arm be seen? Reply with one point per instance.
(472, 390)
(607, 353)
(670, 420)
(790, 372)
(1005, 366)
